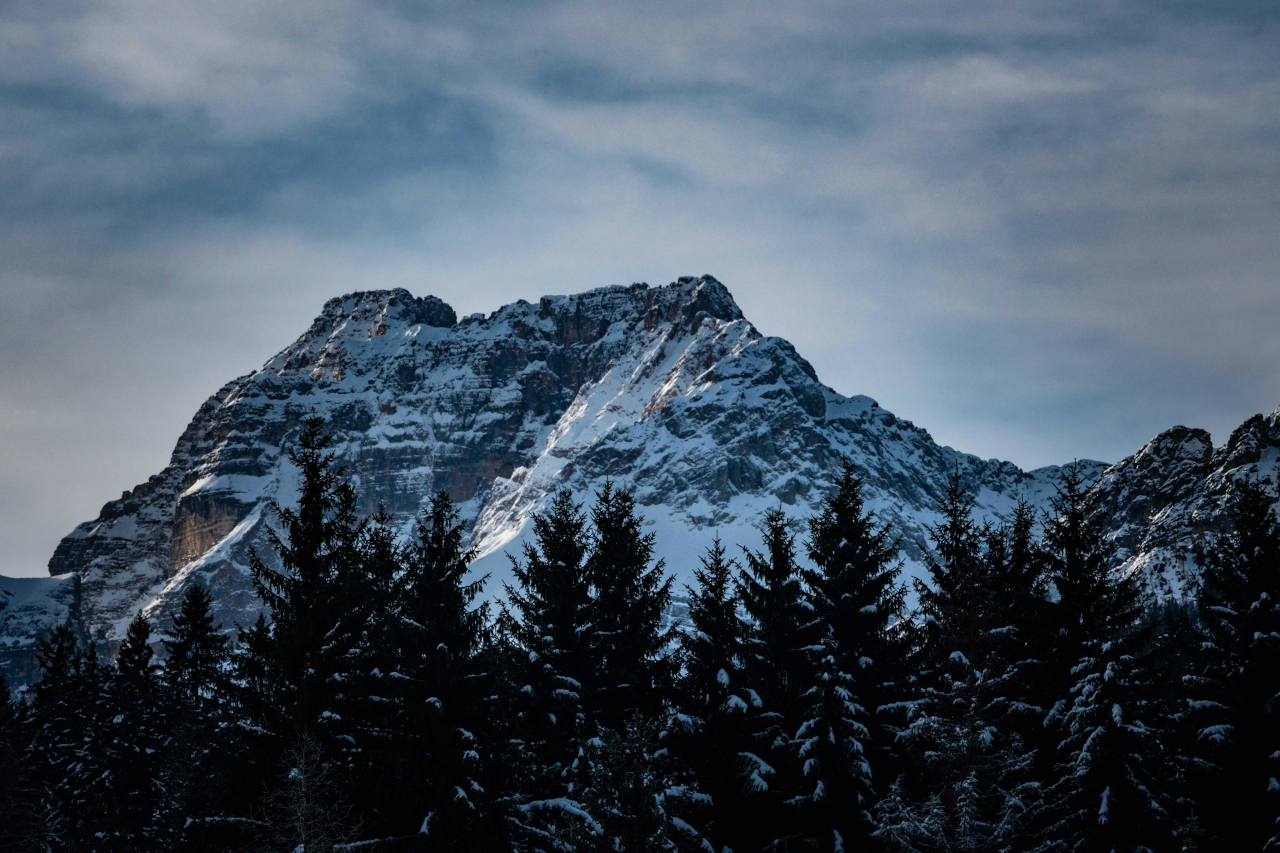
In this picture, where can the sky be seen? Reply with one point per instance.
(1042, 231)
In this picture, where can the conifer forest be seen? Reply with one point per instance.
(1025, 698)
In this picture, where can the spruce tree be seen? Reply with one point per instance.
(135, 743)
(1017, 688)
(283, 674)
(856, 654)
(197, 688)
(319, 559)
(956, 596)
(368, 714)
(69, 716)
(631, 594)
(635, 795)
(195, 652)
(22, 812)
(548, 622)
(776, 669)
(256, 736)
(438, 636)
(968, 782)
(711, 729)
(1104, 795)
(1234, 693)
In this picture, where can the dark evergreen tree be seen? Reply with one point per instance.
(368, 712)
(254, 743)
(548, 623)
(139, 809)
(1169, 662)
(197, 687)
(69, 740)
(309, 594)
(284, 673)
(968, 781)
(256, 679)
(1095, 604)
(955, 599)
(711, 730)
(22, 810)
(1018, 634)
(196, 653)
(438, 636)
(776, 670)
(634, 795)
(1104, 796)
(1234, 692)
(631, 593)
(857, 654)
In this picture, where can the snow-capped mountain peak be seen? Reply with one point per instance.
(669, 391)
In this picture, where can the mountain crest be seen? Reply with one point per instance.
(358, 317)
(668, 391)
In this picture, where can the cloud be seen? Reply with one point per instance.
(1041, 231)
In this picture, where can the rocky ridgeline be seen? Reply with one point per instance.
(1164, 500)
(666, 390)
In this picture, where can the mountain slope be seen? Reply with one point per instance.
(30, 610)
(1163, 501)
(667, 390)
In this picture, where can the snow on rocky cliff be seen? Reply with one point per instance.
(30, 610)
(668, 390)
(1161, 503)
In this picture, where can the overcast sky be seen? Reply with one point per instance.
(1040, 230)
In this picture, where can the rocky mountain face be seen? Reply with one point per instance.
(30, 610)
(667, 390)
(1162, 502)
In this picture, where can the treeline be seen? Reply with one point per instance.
(1033, 701)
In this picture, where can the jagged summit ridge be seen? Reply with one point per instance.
(667, 390)
(1162, 502)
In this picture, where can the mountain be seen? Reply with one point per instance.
(1161, 502)
(666, 390)
(30, 610)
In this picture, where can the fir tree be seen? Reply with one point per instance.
(196, 682)
(368, 713)
(196, 652)
(256, 678)
(438, 636)
(68, 743)
(135, 743)
(631, 593)
(856, 652)
(1234, 694)
(1104, 795)
(954, 600)
(286, 668)
(635, 796)
(968, 780)
(1018, 634)
(776, 673)
(308, 596)
(254, 743)
(1095, 604)
(548, 624)
(22, 812)
(710, 732)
